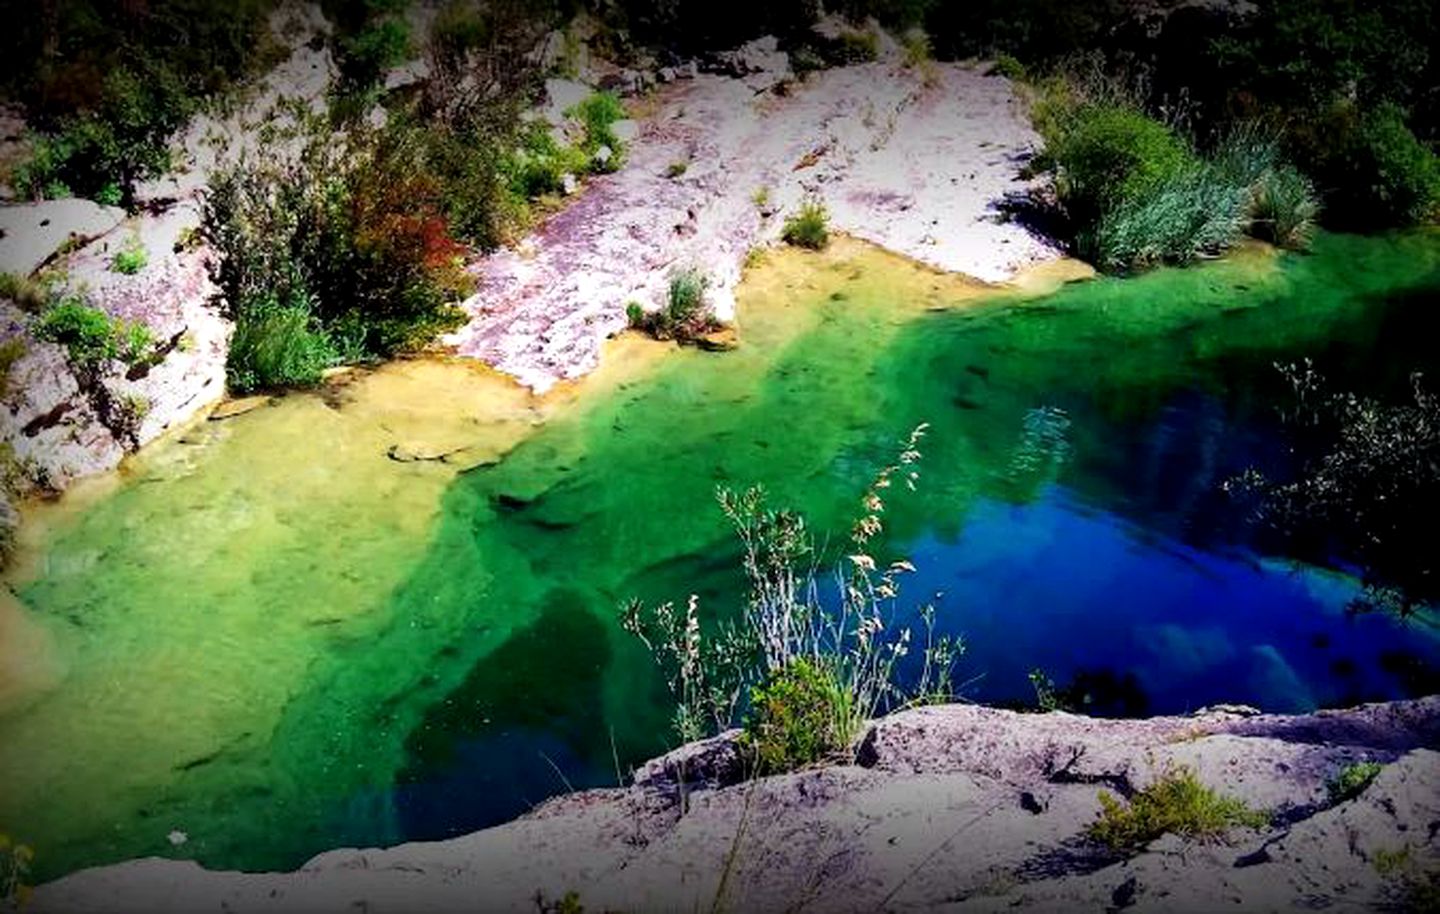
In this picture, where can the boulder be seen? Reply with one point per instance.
(31, 233)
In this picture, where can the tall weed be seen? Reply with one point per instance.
(815, 662)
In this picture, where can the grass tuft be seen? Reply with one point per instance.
(1176, 803)
(278, 346)
(1352, 780)
(131, 258)
(809, 227)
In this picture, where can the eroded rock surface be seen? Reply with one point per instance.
(62, 426)
(917, 162)
(952, 807)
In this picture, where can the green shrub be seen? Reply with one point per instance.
(1175, 803)
(366, 55)
(1399, 173)
(359, 230)
(1284, 208)
(809, 227)
(677, 169)
(685, 314)
(277, 345)
(635, 315)
(91, 337)
(798, 716)
(598, 114)
(1007, 66)
(1107, 155)
(105, 85)
(122, 140)
(687, 294)
(131, 258)
(1192, 212)
(110, 194)
(368, 38)
(540, 164)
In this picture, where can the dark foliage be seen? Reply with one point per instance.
(106, 84)
(1367, 491)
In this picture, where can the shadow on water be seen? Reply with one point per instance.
(506, 738)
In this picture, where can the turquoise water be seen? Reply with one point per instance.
(450, 655)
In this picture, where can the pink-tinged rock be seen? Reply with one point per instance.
(916, 167)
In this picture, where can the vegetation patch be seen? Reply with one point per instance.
(685, 315)
(28, 294)
(798, 716)
(1364, 466)
(1137, 195)
(598, 114)
(91, 337)
(131, 258)
(809, 227)
(806, 673)
(106, 86)
(1349, 782)
(1176, 803)
(278, 345)
(348, 242)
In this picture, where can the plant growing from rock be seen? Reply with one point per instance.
(798, 715)
(131, 258)
(28, 294)
(1175, 803)
(814, 668)
(12, 350)
(92, 337)
(1349, 782)
(685, 315)
(597, 114)
(809, 227)
(94, 344)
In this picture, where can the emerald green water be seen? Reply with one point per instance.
(277, 641)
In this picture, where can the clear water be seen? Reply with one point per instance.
(277, 641)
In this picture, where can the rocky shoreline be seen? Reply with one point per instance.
(955, 807)
(919, 160)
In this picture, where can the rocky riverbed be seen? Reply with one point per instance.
(950, 807)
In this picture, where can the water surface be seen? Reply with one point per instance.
(276, 640)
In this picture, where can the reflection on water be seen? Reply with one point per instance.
(282, 640)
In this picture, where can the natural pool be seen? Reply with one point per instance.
(275, 640)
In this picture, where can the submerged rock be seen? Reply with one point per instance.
(239, 407)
